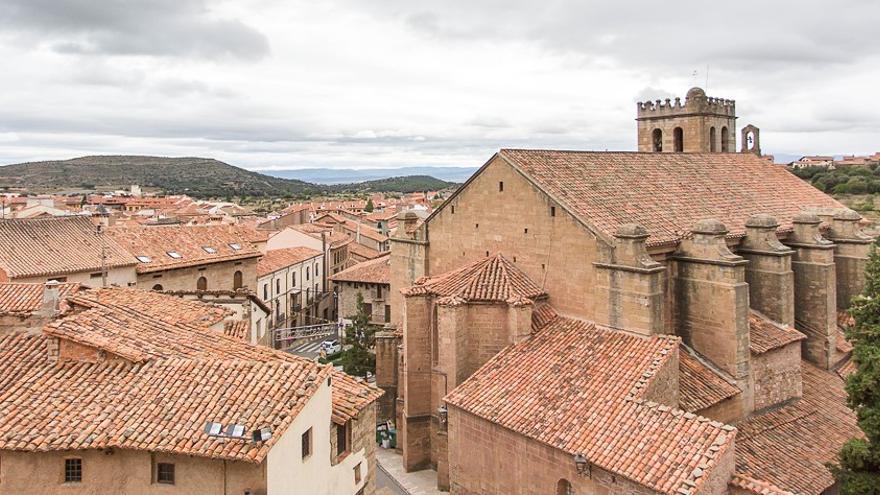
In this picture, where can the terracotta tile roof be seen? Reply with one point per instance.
(236, 329)
(841, 344)
(377, 271)
(667, 193)
(191, 243)
(766, 335)
(28, 298)
(700, 386)
(578, 388)
(844, 319)
(56, 246)
(756, 487)
(334, 239)
(780, 447)
(82, 405)
(363, 252)
(156, 305)
(489, 279)
(278, 259)
(848, 368)
(150, 405)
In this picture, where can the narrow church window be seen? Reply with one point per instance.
(526, 230)
(563, 487)
(501, 186)
(678, 138)
(487, 253)
(552, 211)
(453, 209)
(237, 280)
(725, 136)
(476, 226)
(712, 146)
(657, 138)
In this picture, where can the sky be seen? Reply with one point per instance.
(280, 84)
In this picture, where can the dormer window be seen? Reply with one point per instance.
(235, 246)
(144, 259)
(174, 254)
(209, 250)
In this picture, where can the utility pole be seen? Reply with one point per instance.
(99, 231)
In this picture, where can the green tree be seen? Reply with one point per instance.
(358, 359)
(859, 458)
(369, 206)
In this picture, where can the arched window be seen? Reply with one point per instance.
(202, 284)
(657, 140)
(725, 138)
(564, 488)
(236, 280)
(157, 287)
(678, 137)
(712, 146)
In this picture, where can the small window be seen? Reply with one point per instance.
(526, 230)
(73, 471)
(307, 444)
(678, 139)
(235, 246)
(144, 259)
(563, 487)
(165, 473)
(308, 272)
(387, 313)
(209, 250)
(501, 186)
(293, 279)
(453, 209)
(378, 292)
(277, 286)
(157, 287)
(266, 292)
(174, 254)
(237, 282)
(552, 211)
(202, 283)
(95, 275)
(476, 225)
(341, 439)
(357, 473)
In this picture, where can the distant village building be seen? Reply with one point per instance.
(64, 249)
(291, 282)
(29, 306)
(565, 318)
(813, 161)
(103, 402)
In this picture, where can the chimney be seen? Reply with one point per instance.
(51, 299)
(769, 273)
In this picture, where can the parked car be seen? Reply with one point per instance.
(331, 346)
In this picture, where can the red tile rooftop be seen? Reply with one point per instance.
(375, 271)
(493, 278)
(278, 259)
(28, 298)
(608, 189)
(56, 246)
(578, 388)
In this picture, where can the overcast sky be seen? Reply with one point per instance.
(376, 83)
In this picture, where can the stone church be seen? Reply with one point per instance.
(661, 321)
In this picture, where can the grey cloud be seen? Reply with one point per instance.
(680, 35)
(132, 27)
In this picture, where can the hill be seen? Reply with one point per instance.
(350, 175)
(200, 177)
(197, 177)
(405, 184)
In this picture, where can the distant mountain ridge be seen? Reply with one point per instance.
(198, 177)
(332, 176)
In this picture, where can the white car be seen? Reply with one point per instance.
(331, 346)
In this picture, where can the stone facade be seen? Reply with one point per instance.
(378, 297)
(218, 276)
(486, 458)
(700, 124)
(777, 376)
(127, 471)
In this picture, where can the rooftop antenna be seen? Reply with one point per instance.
(707, 78)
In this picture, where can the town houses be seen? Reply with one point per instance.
(664, 321)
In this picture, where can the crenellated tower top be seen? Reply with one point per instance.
(700, 123)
